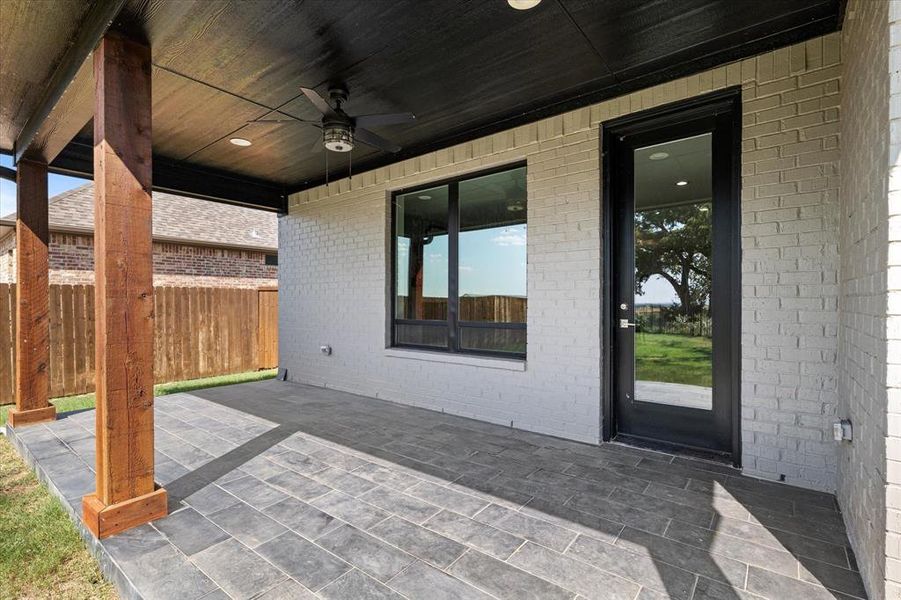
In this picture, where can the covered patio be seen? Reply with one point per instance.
(477, 201)
(283, 490)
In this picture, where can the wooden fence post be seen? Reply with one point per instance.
(32, 297)
(126, 495)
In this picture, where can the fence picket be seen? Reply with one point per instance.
(7, 332)
(200, 332)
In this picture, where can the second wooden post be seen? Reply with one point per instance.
(123, 254)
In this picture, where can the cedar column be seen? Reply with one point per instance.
(32, 297)
(416, 310)
(126, 495)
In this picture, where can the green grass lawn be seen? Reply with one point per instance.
(71, 403)
(41, 553)
(673, 358)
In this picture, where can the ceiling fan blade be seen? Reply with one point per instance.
(317, 100)
(317, 145)
(376, 141)
(384, 119)
(283, 121)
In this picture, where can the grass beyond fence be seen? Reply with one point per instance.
(70, 403)
(673, 358)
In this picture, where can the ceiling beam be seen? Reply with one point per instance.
(185, 180)
(32, 142)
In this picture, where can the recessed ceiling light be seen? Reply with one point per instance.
(240, 142)
(424, 197)
(523, 4)
(659, 155)
(681, 183)
(516, 208)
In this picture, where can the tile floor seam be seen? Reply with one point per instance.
(466, 550)
(518, 548)
(621, 576)
(537, 576)
(694, 587)
(780, 548)
(571, 542)
(190, 444)
(209, 575)
(560, 585)
(212, 433)
(273, 586)
(153, 525)
(313, 542)
(670, 564)
(351, 570)
(781, 530)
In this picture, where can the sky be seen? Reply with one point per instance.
(657, 290)
(56, 184)
(492, 261)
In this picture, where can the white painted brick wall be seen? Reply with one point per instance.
(870, 336)
(334, 289)
(893, 303)
(790, 182)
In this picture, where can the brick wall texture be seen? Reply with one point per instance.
(7, 258)
(336, 239)
(72, 262)
(867, 260)
(893, 305)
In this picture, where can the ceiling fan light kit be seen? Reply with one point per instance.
(523, 4)
(337, 137)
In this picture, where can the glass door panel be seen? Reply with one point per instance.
(672, 223)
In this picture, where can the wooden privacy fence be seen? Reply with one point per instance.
(200, 332)
(500, 309)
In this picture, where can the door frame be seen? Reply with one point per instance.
(725, 102)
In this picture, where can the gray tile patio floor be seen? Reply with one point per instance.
(280, 490)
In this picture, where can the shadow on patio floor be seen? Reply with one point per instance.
(352, 496)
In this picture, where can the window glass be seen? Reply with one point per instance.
(493, 339)
(492, 269)
(422, 259)
(475, 299)
(417, 334)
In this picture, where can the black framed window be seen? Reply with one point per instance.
(459, 268)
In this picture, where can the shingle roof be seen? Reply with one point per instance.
(175, 218)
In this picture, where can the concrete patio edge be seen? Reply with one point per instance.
(108, 565)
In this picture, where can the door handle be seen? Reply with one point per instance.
(624, 324)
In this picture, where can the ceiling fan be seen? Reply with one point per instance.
(340, 130)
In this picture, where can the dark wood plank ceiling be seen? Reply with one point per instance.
(465, 69)
(27, 60)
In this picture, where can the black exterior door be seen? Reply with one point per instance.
(673, 303)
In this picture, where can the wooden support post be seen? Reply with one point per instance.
(416, 308)
(32, 297)
(126, 495)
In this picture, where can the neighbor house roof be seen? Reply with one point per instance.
(175, 219)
